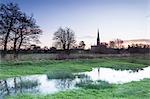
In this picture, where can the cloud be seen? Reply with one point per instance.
(86, 37)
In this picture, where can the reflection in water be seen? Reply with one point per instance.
(6, 87)
(64, 84)
(41, 83)
(16, 85)
(118, 76)
(98, 72)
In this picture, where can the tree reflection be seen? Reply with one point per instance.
(4, 89)
(64, 83)
(17, 85)
(98, 72)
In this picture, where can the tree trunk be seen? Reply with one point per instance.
(14, 49)
(21, 37)
(6, 40)
(4, 52)
(64, 46)
(68, 46)
(68, 49)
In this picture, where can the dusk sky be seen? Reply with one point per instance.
(124, 19)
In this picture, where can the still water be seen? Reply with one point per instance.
(40, 84)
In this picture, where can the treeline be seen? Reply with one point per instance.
(139, 49)
(130, 50)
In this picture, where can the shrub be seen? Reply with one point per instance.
(60, 75)
(27, 84)
(94, 85)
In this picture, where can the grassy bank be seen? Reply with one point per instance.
(133, 90)
(19, 68)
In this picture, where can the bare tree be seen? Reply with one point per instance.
(81, 45)
(30, 31)
(25, 32)
(65, 38)
(16, 28)
(8, 18)
(112, 44)
(118, 43)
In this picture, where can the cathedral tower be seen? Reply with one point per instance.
(98, 39)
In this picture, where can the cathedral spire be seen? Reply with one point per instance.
(98, 39)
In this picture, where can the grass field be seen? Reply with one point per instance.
(133, 90)
(19, 68)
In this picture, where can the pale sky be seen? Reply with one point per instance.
(124, 19)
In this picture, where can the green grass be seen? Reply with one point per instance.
(94, 85)
(13, 69)
(27, 84)
(60, 75)
(132, 90)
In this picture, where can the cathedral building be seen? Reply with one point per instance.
(101, 48)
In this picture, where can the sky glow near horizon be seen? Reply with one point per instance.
(124, 19)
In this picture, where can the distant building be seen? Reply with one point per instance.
(98, 39)
(101, 47)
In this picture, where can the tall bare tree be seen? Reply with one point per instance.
(17, 27)
(65, 38)
(25, 32)
(8, 18)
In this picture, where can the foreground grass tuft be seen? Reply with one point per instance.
(27, 84)
(94, 85)
(60, 75)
